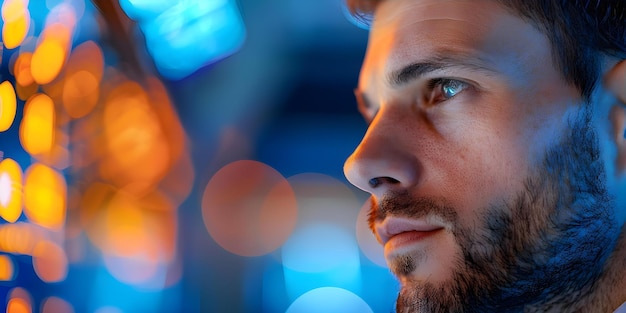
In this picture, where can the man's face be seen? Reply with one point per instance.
(482, 162)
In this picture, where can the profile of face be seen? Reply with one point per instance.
(493, 182)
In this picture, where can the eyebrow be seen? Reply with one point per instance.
(440, 61)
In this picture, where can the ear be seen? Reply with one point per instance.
(615, 82)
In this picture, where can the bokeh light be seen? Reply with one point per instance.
(135, 270)
(319, 255)
(56, 305)
(329, 300)
(54, 46)
(84, 71)
(16, 19)
(21, 69)
(323, 250)
(20, 238)
(8, 105)
(320, 248)
(139, 153)
(18, 305)
(45, 196)
(50, 262)
(38, 124)
(7, 268)
(10, 190)
(19, 300)
(249, 208)
(183, 36)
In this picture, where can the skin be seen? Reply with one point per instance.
(497, 167)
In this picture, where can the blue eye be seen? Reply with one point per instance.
(442, 89)
(452, 88)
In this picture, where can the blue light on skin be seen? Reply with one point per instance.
(329, 300)
(187, 35)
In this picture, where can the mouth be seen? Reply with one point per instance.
(395, 232)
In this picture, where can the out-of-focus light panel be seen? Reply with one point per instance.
(184, 35)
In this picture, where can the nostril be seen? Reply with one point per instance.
(377, 181)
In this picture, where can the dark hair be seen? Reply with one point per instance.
(581, 32)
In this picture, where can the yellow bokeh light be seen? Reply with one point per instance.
(7, 270)
(10, 190)
(14, 32)
(48, 60)
(37, 127)
(45, 196)
(8, 105)
(12, 9)
(50, 262)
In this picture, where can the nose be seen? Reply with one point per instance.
(385, 160)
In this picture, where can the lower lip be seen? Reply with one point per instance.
(408, 238)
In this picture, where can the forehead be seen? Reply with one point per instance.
(407, 31)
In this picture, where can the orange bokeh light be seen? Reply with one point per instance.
(56, 305)
(84, 71)
(10, 190)
(8, 105)
(38, 123)
(20, 238)
(45, 196)
(7, 270)
(21, 69)
(25, 92)
(249, 208)
(50, 262)
(80, 93)
(138, 153)
(19, 305)
(19, 301)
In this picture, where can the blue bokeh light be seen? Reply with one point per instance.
(184, 36)
(329, 300)
(321, 255)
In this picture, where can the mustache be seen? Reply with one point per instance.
(402, 204)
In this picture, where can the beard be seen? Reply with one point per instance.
(544, 248)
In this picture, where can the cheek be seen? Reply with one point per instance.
(488, 165)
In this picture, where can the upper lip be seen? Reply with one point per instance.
(392, 226)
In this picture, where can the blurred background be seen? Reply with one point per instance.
(183, 156)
